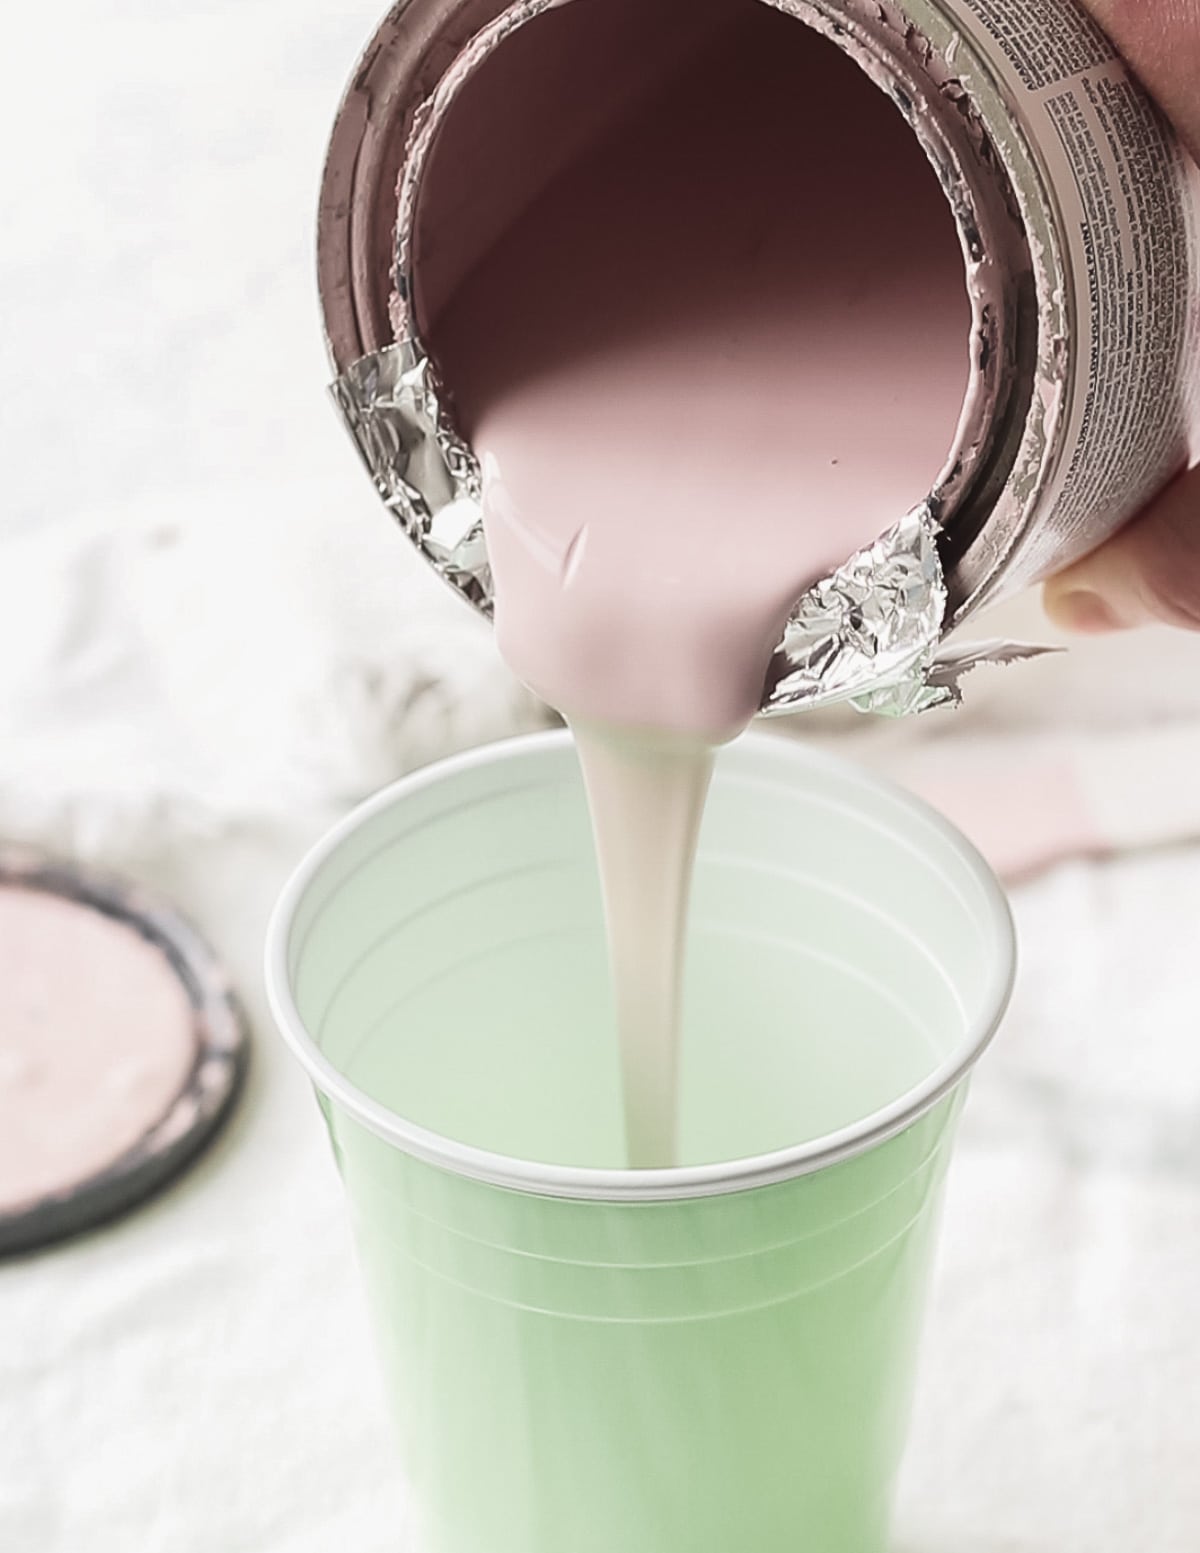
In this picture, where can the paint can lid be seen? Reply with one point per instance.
(122, 1047)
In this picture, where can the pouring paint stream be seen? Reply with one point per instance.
(717, 354)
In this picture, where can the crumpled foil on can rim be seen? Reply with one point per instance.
(426, 475)
(869, 634)
(867, 631)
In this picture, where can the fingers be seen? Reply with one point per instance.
(1149, 571)
(1161, 40)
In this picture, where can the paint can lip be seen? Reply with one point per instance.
(634, 1186)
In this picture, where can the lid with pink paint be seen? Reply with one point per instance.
(122, 1047)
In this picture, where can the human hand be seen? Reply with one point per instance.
(1151, 569)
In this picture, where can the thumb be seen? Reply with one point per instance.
(1149, 571)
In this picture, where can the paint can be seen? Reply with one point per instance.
(1079, 219)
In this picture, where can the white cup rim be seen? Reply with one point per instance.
(612, 1185)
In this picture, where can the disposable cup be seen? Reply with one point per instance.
(583, 1358)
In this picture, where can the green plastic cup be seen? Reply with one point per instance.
(583, 1358)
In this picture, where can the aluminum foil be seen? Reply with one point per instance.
(425, 473)
(871, 634)
(956, 659)
(868, 631)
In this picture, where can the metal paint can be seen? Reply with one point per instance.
(1079, 218)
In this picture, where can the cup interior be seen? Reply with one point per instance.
(440, 961)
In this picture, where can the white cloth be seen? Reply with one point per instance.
(210, 642)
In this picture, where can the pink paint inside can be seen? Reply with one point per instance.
(719, 342)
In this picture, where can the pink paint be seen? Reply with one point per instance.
(1054, 821)
(96, 1041)
(724, 347)
(647, 799)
